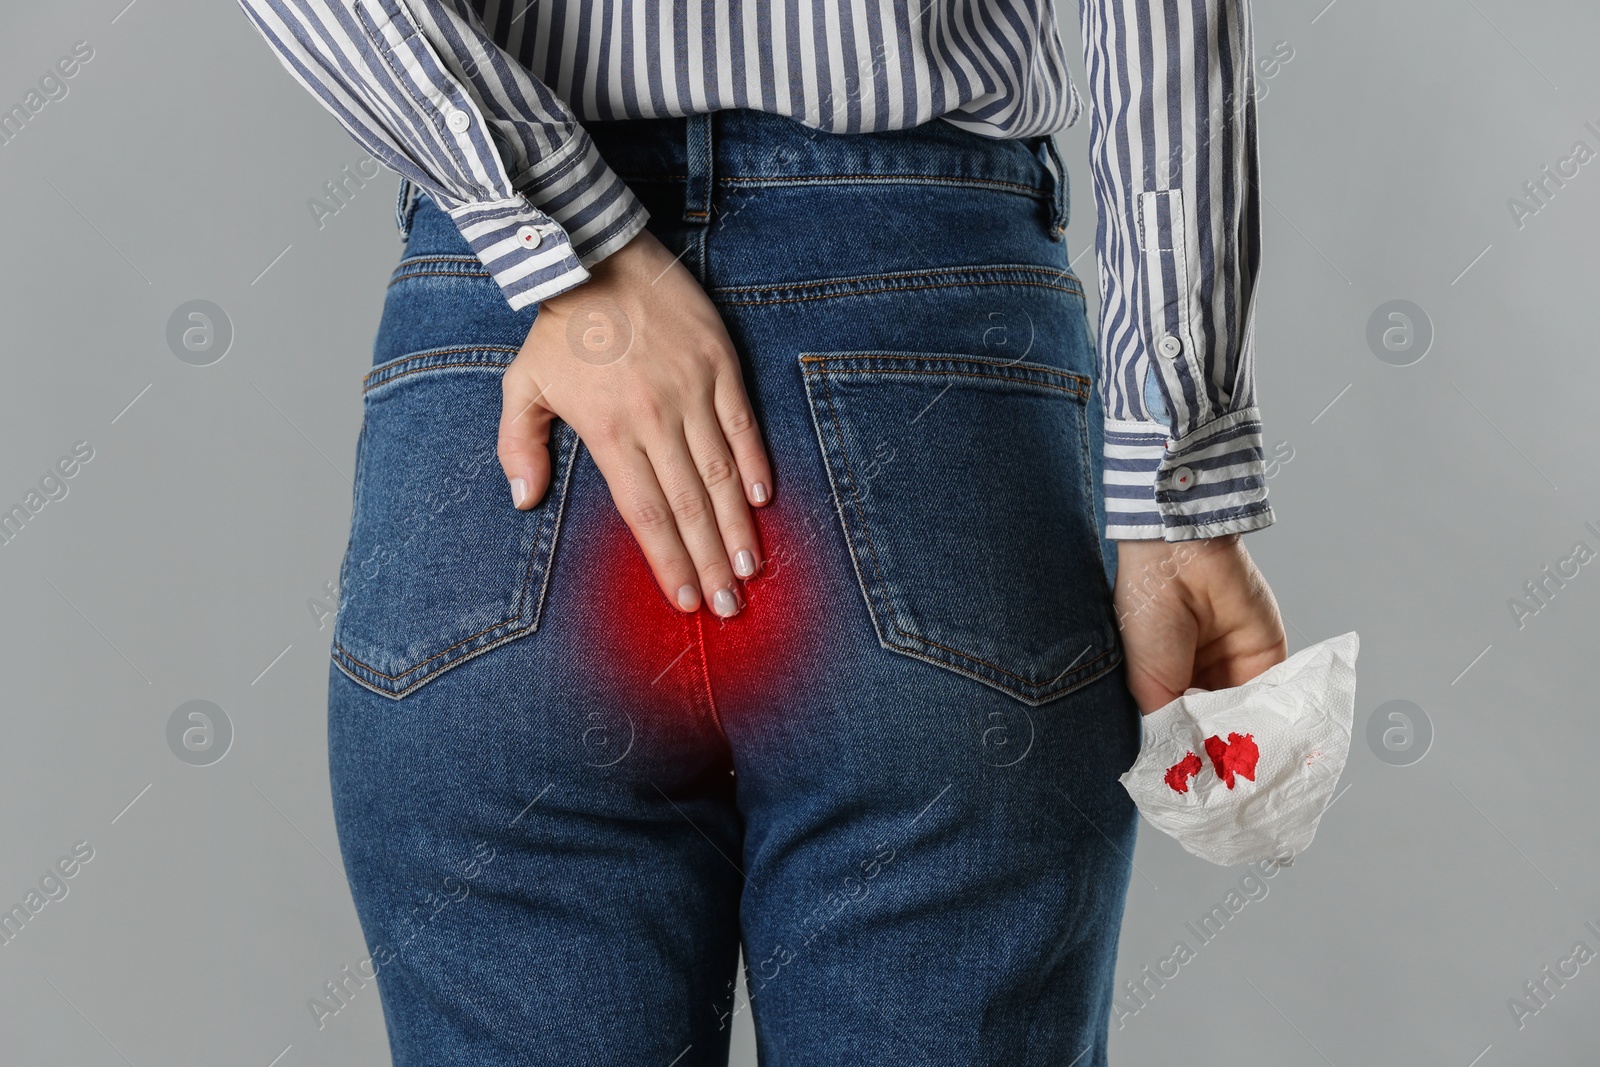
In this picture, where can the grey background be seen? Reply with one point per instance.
(180, 563)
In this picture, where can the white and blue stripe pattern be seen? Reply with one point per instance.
(480, 102)
(1173, 157)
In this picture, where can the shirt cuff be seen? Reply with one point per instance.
(1208, 483)
(570, 212)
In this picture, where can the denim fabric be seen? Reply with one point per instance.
(1154, 402)
(563, 806)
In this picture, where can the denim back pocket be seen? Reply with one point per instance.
(964, 488)
(440, 566)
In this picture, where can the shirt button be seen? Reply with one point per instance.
(458, 121)
(528, 237)
(1182, 478)
(1170, 346)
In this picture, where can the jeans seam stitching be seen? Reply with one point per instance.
(952, 363)
(549, 530)
(1075, 291)
(424, 370)
(431, 352)
(969, 374)
(705, 674)
(996, 667)
(941, 179)
(956, 274)
(466, 272)
(440, 257)
(1090, 489)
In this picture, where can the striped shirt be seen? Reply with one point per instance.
(480, 103)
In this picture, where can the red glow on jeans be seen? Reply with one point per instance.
(768, 649)
(671, 660)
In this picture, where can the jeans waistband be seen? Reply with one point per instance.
(747, 148)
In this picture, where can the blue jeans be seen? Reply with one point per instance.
(564, 806)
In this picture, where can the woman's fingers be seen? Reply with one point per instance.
(722, 478)
(676, 484)
(643, 505)
(667, 421)
(690, 498)
(524, 442)
(739, 429)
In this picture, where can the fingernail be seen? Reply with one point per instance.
(519, 491)
(689, 598)
(758, 492)
(744, 563)
(724, 603)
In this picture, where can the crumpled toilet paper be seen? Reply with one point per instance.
(1242, 775)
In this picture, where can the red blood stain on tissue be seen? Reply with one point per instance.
(1179, 773)
(1236, 755)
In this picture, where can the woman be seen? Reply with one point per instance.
(792, 624)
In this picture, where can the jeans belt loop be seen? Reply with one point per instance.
(697, 187)
(1061, 208)
(404, 206)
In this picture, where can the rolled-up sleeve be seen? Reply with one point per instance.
(422, 86)
(1174, 167)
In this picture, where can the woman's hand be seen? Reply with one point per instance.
(637, 361)
(1193, 614)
